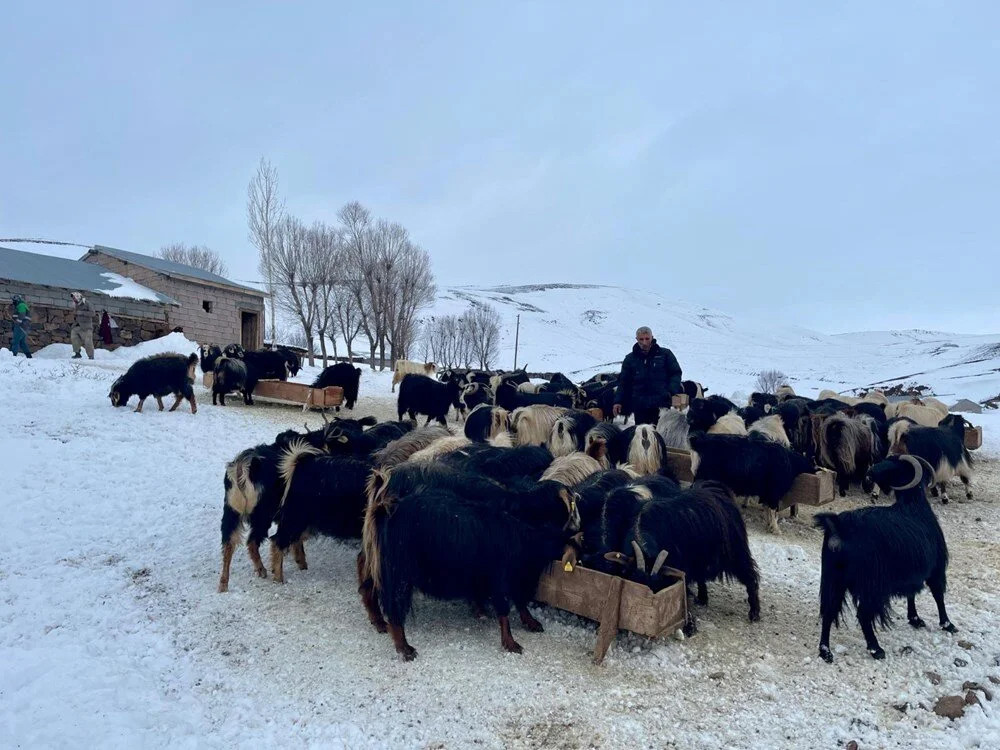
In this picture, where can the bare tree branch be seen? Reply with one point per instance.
(198, 256)
(265, 210)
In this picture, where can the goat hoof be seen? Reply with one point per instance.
(380, 627)
(944, 499)
(532, 625)
(916, 622)
(408, 653)
(513, 647)
(223, 587)
(701, 600)
(261, 572)
(877, 652)
(755, 615)
(843, 493)
(948, 627)
(826, 654)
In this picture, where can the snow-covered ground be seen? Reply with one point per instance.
(112, 633)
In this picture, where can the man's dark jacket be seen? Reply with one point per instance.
(648, 379)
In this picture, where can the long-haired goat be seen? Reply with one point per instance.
(401, 449)
(229, 375)
(404, 367)
(751, 466)
(323, 494)
(344, 375)
(157, 376)
(942, 447)
(699, 530)
(532, 425)
(847, 446)
(422, 395)
(673, 428)
(877, 553)
(569, 432)
(450, 546)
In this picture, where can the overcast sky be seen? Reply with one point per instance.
(833, 165)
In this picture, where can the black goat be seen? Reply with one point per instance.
(253, 489)
(234, 350)
(343, 375)
(878, 553)
(693, 389)
(476, 394)
(750, 466)
(209, 353)
(322, 494)
(510, 398)
(343, 439)
(702, 413)
(763, 401)
(942, 447)
(292, 359)
(419, 394)
(157, 376)
(699, 530)
(229, 375)
(485, 422)
(452, 547)
(503, 465)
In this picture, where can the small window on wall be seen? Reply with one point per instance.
(206, 305)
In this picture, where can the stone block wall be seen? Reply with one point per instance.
(52, 317)
(223, 325)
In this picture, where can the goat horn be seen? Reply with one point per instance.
(918, 472)
(658, 563)
(640, 561)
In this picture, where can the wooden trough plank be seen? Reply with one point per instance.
(973, 438)
(808, 489)
(614, 602)
(292, 393)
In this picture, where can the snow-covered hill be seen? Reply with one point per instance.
(581, 329)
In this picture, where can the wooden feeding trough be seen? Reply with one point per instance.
(973, 438)
(294, 394)
(615, 603)
(808, 489)
(680, 401)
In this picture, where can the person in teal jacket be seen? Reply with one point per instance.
(21, 316)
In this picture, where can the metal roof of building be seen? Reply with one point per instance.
(75, 275)
(171, 268)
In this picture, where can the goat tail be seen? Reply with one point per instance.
(380, 505)
(242, 495)
(297, 450)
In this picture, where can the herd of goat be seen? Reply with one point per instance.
(538, 474)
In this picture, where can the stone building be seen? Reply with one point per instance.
(212, 309)
(45, 283)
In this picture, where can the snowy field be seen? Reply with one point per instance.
(112, 633)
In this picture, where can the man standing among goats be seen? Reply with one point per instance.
(82, 332)
(650, 377)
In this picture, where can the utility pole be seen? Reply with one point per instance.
(517, 337)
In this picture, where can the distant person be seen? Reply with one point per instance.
(82, 332)
(21, 316)
(650, 377)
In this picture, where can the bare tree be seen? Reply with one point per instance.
(326, 251)
(295, 262)
(198, 256)
(484, 334)
(769, 380)
(357, 224)
(265, 211)
(411, 290)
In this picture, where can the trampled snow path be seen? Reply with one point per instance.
(112, 634)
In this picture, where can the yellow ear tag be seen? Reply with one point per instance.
(568, 567)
